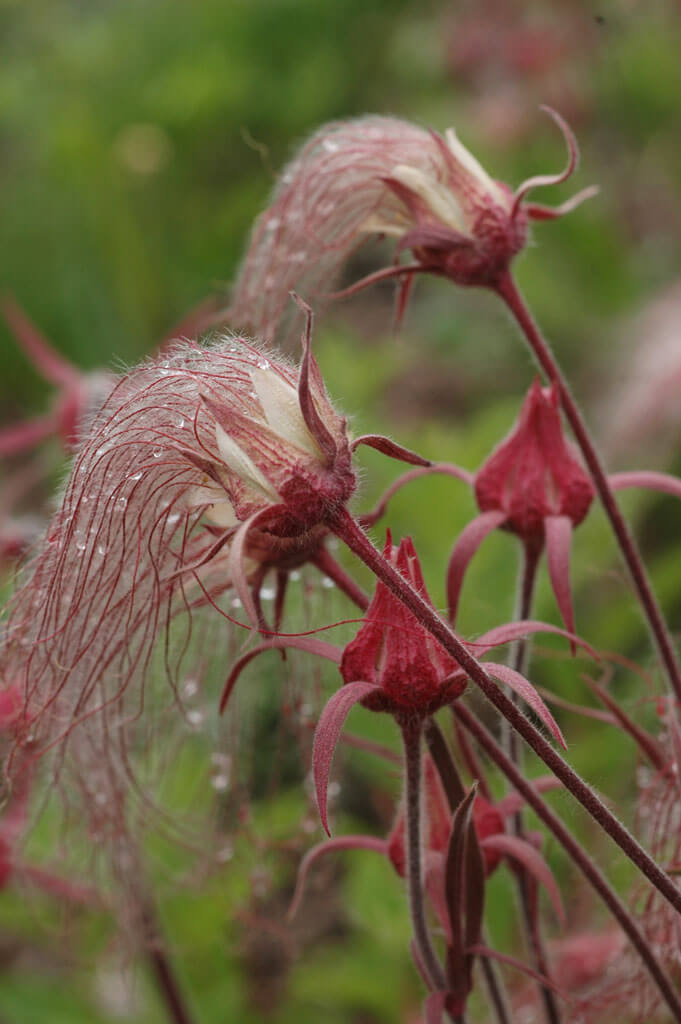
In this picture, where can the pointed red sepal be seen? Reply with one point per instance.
(662, 482)
(404, 291)
(469, 540)
(518, 630)
(391, 449)
(542, 180)
(310, 370)
(465, 893)
(533, 862)
(400, 270)
(326, 737)
(353, 842)
(558, 532)
(520, 685)
(235, 563)
(309, 644)
(538, 211)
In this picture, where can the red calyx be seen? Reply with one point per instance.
(535, 472)
(396, 653)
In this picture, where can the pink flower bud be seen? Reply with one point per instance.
(397, 654)
(535, 472)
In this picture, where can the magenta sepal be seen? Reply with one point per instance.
(662, 482)
(517, 630)
(533, 862)
(469, 540)
(310, 644)
(390, 448)
(520, 685)
(558, 531)
(351, 842)
(326, 737)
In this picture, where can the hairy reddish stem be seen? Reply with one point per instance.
(577, 855)
(518, 660)
(411, 734)
(508, 291)
(347, 529)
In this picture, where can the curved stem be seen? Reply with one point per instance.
(166, 979)
(577, 855)
(345, 527)
(518, 660)
(508, 291)
(411, 734)
(327, 564)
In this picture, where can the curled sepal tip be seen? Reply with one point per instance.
(543, 180)
(520, 685)
(326, 737)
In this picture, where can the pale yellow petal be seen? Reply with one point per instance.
(279, 401)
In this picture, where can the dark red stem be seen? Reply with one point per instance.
(166, 980)
(347, 529)
(519, 656)
(411, 734)
(577, 855)
(508, 291)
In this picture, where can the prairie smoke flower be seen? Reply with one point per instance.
(532, 485)
(383, 176)
(200, 467)
(395, 665)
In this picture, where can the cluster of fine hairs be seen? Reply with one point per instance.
(325, 204)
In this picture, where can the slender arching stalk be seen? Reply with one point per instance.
(412, 734)
(519, 657)
(347, 529)
(167, 982)
(577, 855)
(508, 291)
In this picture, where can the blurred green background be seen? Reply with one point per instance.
(138, 140)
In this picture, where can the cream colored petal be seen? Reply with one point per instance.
(438, 196)
(236, 460)
(280, 404)
(379, 223)
(219, 508)
(222, 514)
(472, 166)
